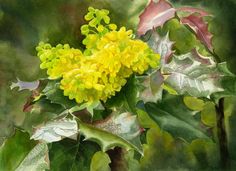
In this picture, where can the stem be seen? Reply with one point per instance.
(222, 137)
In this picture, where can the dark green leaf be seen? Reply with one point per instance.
(55, 95)
(71, 155)
(126, 98)
(174, 117)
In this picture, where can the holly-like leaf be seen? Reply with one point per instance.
(192, 10)
(40, 112)
(193, 74)
(150, 86)
(55, 95)
(89, 106)
(100, 162)
(23, 85)
(126, 98)
(22, 154)
(161, 45)
(228, 82)
(174, 154)
(68, 154)
(56, 130)
(200, 27)
(155, 15)
(120, 130)
(173, 116)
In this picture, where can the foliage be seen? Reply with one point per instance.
(160, 99)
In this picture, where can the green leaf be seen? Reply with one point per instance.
(100, 162)
(63, 155)
(21, 153)
(184, 39)
(56, 130)
(208, 114)
(228, 82)
(126, 98)
(41, 111)
(163, 152)
(118, 130)
(71, 155)
(37, 159)
(145, 120)
(161, 45)
(150, 86)
(160, 151)
(174, 117)
(90, 107)
(193, 74)
(55, 95)
(193, 103)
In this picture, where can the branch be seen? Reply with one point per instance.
(222, 137)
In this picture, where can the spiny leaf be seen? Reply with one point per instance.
(155, 15)
(55, 94)
(150, 86)
(192, 10)
(174, 154)
(228, 82)
(100, 162)
(193, 74)
(173, 116)
(126, 98)
(161, 45)
(118, 130)
(41, 111)
(37, 159)
(88, 106)
(56, 130)
(199, 26)
(23, 85)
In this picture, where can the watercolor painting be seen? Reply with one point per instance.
(117, 85)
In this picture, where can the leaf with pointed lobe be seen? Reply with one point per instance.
(155, 15)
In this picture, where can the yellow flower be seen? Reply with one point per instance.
(58, 60)
(111, 56)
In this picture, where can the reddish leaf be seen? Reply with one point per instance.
(196, 23)
(155, 15)
(192, 10)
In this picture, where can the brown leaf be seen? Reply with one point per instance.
(155, 15)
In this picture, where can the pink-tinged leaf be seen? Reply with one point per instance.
(155, 15)
(25, 85)
(192, 10)
(200, 27)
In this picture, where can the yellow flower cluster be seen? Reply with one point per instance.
(111, 56)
